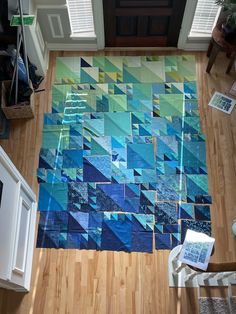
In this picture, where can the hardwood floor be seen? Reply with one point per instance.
(84, 282)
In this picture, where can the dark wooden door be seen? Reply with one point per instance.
(142, 23)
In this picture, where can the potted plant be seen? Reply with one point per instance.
(229, 13)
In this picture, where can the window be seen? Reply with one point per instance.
(205, 17)
(199, 19)
(81, 18)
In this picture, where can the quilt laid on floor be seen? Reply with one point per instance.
(123, 163)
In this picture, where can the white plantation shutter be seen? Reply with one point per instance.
(81, 16)
(205, 17)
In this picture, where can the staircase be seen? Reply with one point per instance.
(221, 276)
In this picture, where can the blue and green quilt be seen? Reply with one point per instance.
(123, 162)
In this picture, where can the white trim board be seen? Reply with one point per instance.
(190, 44)
(196, 47)
(40, 37)
(59, 24)
(186, 23)
(72, 47)
(82, 37)
(37, 54)
(51, 6)
(99, 23)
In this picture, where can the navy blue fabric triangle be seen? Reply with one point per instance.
(84, 64)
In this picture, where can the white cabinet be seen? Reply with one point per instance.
(17, 227)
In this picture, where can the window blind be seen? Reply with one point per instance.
(205, 16)
(81, 16)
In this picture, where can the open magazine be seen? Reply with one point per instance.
(196, 249)
(222, 102)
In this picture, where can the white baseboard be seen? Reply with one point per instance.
(72, 47)
(195, 47)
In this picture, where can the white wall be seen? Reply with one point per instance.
(54, 22)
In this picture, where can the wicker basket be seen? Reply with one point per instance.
(19, 111)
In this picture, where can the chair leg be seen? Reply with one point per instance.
(231, 62)
(214, 52)
(209, 48)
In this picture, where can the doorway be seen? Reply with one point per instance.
(139, 23)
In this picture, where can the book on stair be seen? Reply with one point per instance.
(196, 249)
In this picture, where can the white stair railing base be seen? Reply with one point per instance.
(181, 275)
(230, 293)
(216, 279)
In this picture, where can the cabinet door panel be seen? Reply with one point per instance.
(17, 227)
(8, 213)
(22, 235)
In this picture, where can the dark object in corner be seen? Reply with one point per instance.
(229, 33)
(35, 79)
(7, 33)
(6, 69)
(24, 92)
(4, 126)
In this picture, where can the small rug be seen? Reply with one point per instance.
(123, 158)
(217, 306)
